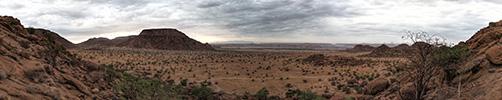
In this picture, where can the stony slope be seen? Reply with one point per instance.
(33, 66)
(165, 39)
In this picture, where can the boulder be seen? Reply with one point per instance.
(95, 90)
(494, 54)
(376, 86)
(91, 66)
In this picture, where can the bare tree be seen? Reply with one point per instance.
(422, 68)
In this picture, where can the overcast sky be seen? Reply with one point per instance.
(326, 21)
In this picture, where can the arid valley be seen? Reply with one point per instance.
(250, 50)
(240, 71)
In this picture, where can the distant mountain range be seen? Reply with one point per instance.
(248, 44)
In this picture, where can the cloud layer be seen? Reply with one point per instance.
(330, 21)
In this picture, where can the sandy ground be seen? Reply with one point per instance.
(240, 71)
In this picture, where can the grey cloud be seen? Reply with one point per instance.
(275, 17)
(16, 6)
(120, 3)
(493, 1)
(66, 13)
(269, 19)
(209, 4)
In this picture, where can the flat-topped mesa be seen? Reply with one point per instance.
(162, 32)
(164, 39)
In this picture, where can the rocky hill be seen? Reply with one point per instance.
(103, 42)
(386, 51)
(35, 66)
(361, 48)
(164, 39)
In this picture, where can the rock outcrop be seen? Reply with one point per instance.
(34, 65)
(165, 39)
(53, 36)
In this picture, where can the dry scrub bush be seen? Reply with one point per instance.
(421, 68)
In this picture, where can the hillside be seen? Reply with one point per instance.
(164, 39)
(483, 70)
(35, 66)
(103, 42)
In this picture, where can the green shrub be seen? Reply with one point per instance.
(392, 80)
(262, 94)
(292, 93)
(289, 85)
(358, 89)
(144, 88)
(203, 92)
(339, 86)
(346, 90)
(184, 82)
(492, 24)
(13, 22)
(30, 30)
(370, 78)
(447, 57)
(309, 95)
